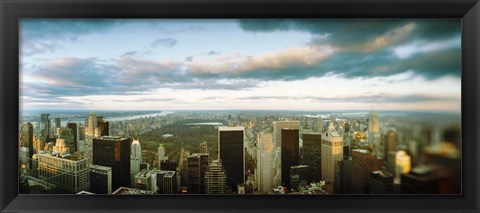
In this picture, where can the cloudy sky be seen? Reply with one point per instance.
(293, 64)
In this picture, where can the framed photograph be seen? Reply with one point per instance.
(239, 106)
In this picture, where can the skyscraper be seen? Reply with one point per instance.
(26, 138)
(215, 178)
(161, 154)
(58, 123)
(277, 140)
(290, 154)
(231, 150)
(332, 151)
(197, 166)
(299, 175)
(144, 181)
(390, 144)
(103, 125)
(203, 147)
(381, 182)
(265, 163)
(68, 135)
(403, 164)
(100, 179)
(135, 158)
(363, 163)
(312, 154)
(166, 181)
(374, 136)
(68, 172)
(45, 125)
(114, 152)
(344, 176)
(91, 125)
(75, 133)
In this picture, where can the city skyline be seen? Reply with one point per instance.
(292, 64)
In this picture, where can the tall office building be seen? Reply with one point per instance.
(68, 172)
(26, 138)
(277, 140)
(68, 135)
(203, 147)
(277, 130)
(428, 179)
(183, 165)
(45, 125)
(374, 136)
(135, 158)
(144, 181)
(332, 151)
(231, 150)
(91, 125)
(166, 182)
(215, 178)
(81, 133)
(103, 126)
(75, 133)
(390, 144)
(312, 154)
(381, 182)
(403, 164)
(299, 175)
(58, 123)
(265, 163)
(114, 152)
(100, 179)
(161, 154)
(344, 176)
(168, 165)
(290, 154)
(197, 166)
(363, 163)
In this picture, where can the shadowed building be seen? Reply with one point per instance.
(312, 154)
(363, 163)
(197, 166)
(100, 179)
(231, 150)
(114, 152)
(290, 154)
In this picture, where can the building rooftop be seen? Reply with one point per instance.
(360, 150)
(228, 128)
(112, 138)
(98, 167)
(131, 191)
(61, 156)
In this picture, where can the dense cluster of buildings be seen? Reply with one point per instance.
(341, 157)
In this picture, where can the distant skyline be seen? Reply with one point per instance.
(249, 64)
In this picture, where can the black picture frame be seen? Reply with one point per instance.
(12, 10)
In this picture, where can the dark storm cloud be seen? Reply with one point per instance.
(164, 42)
(354, 31)
(366, 46)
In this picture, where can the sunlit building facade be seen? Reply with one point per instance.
(69, 173)
(332, 151)
(265, 163)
